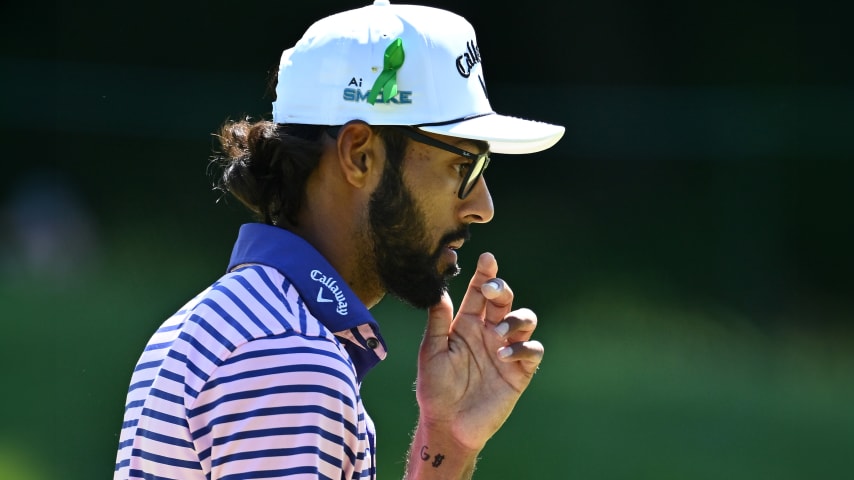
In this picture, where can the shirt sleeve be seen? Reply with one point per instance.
(281, 406)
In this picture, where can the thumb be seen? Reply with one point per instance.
(439, 319)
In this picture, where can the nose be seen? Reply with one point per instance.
(477, 206)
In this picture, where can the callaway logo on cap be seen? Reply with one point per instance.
(399, 65)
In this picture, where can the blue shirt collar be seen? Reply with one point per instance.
(324, 292)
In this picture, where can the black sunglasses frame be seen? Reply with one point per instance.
(475, 169)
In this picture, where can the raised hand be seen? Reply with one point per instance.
(473, 367)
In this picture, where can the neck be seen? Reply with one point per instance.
(334, 214)
(342, 250)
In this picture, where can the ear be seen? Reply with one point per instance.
(358, 152)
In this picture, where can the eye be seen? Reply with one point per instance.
(463, 168)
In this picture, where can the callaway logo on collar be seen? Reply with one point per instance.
(331, 286)
(326, 294)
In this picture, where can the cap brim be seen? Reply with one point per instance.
(505, 134)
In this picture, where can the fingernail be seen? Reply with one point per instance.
(490, 288)
(502, 328)
(505, 352)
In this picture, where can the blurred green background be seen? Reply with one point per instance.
(687, 245)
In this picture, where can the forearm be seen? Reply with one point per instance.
(436, 455)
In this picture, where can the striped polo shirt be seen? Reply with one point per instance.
(258, 376)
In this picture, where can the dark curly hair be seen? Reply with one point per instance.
(265, 165)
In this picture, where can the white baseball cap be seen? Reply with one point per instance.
(399, 65)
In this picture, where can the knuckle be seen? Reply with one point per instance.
(535, 347)
(523, 316)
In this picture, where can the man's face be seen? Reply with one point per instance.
(414, 240)
(409, 262)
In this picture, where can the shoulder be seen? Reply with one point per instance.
(255, 302)
(249, 314)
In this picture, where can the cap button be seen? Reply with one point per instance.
(381, 3)
(373, 343)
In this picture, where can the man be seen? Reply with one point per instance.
(365, 182)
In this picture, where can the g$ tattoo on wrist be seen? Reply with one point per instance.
(437, 459)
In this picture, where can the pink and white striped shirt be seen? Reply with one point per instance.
(258, 376)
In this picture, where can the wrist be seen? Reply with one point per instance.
(436, 453)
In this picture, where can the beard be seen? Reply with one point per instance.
(407, 264)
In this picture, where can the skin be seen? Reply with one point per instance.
(473, 365)
(406, 252)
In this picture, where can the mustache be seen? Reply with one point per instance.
(463, 233)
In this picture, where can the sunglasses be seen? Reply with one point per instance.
(470, 173)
